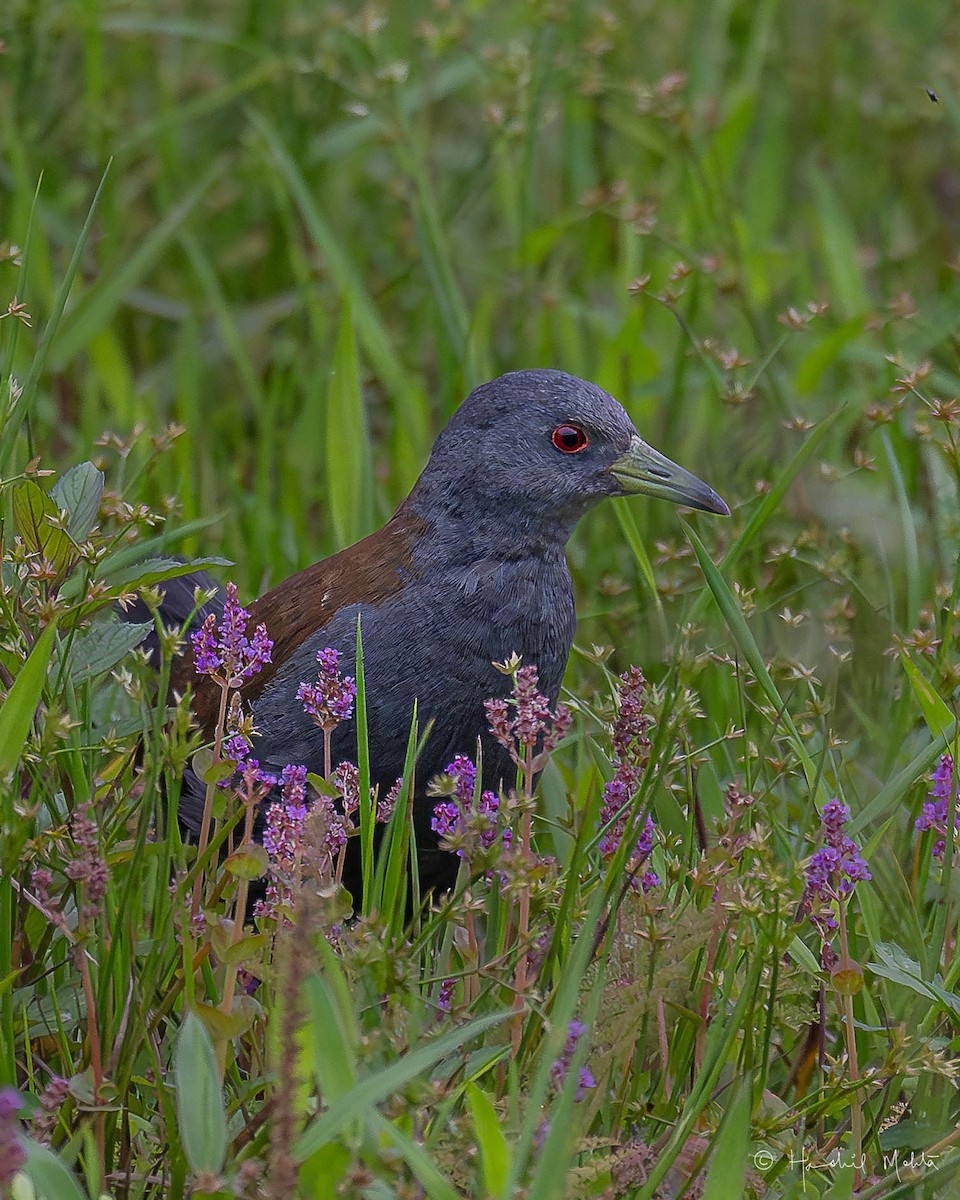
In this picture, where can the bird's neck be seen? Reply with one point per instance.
(456, 530)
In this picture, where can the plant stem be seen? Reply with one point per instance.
(207, 820)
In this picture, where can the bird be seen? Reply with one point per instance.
(470, 570)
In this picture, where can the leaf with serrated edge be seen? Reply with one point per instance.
(99, 649)
(33, 510)
(78, 493)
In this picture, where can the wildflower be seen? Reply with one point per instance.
(235, 749)
(561, 1067)
(326, 831)
(833, 871)
(456, 819)
(12, 1152)
(51, 1101)
(445, 995)
(531, 722)
(346, 779)
(630, 741)
(463, 772)
(285, 838)
(88, 867)
(223, 650)
(285, 816)
(935, 810)
(330, 700)
(446, 818)
(631, 752)
(386, 806)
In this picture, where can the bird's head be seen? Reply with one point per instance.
(538, 448)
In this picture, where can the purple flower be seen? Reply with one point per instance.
(631, 752)
(615, 815)
(464, 774)
(386, 806)
(292, 844)
(561, 1067)
(222, 648)
(445, 995)
(630, 742)
(346, 779)
(235, 748)
(446, 818)
(833, 870)
(254, 783)
(456, 818)
(934, 814)
(12, 1152)
(531, 722)
(293, 789)
(330, 700)
(285, 817)
(585, 1081)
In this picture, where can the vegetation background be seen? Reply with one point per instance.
(322, 224)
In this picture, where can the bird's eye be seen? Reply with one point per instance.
(569, 439)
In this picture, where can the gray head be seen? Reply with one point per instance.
(536, 449)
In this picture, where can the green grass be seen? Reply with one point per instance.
(299, 234)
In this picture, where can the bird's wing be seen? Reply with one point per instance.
(366, 573)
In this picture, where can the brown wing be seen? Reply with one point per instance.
(364, 573)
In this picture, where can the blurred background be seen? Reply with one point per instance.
(324, 223)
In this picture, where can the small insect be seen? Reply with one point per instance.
(933, 96)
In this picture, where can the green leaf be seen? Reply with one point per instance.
(343, 271)
(20, 704)
(488, 1133)
(896, 965)
(249, 950)
(78, 493)
(207, 771)
(225, 1026)
(50, 1178)
(840, 247)
(99, 648)
(349, 468)
(156, 570)
(248, 861)
(769, 505)
(331, 1041)
(628, 526)
(728, 1160)
(803, 956)
(743, 636)
(200, 1113)
(937, 715)
(360, 1100)
(435, 1185)
(33, 511)
(39, 359)
(93, 311)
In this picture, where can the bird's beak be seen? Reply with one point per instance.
(645, 471)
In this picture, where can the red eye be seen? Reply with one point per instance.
(569, 439)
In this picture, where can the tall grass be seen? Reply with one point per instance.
(254, 256)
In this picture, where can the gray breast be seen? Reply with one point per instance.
(434, 642)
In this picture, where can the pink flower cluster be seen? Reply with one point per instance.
(457, 818)
(526, 719)
(631, 747)
(223, 650)
(330, 700)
